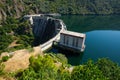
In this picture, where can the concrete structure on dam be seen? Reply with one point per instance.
(72, 41)
(48, 29)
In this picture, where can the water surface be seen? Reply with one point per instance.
(102, 37)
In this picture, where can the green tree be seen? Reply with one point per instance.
(1, 68)
(41, 68)
(109, 68)
(89, 71)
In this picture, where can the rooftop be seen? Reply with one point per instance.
(71, 33)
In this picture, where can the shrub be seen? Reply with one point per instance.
(5, 58)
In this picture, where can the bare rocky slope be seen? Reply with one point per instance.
(14, 8)
(11, 8)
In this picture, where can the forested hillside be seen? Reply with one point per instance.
(56, 67)
(17, 34)
(17, 8)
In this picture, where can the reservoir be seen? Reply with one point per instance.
(102, 37)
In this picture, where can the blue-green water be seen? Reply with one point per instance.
(102, 37)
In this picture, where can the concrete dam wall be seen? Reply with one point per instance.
(45, 29)
(48, 30)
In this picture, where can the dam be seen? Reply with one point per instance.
(47, 30)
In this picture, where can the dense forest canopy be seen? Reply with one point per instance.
(16, 8)
(45, 68)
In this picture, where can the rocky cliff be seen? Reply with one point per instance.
(12, 8)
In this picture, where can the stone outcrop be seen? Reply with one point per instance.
(13, 8)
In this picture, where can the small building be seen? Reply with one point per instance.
(72, 41)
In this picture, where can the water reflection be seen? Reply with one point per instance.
(90, 23)
(103, 37)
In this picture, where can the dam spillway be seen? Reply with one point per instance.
(48, 29)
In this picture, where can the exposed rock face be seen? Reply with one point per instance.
(16, 8)
(13, 8)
